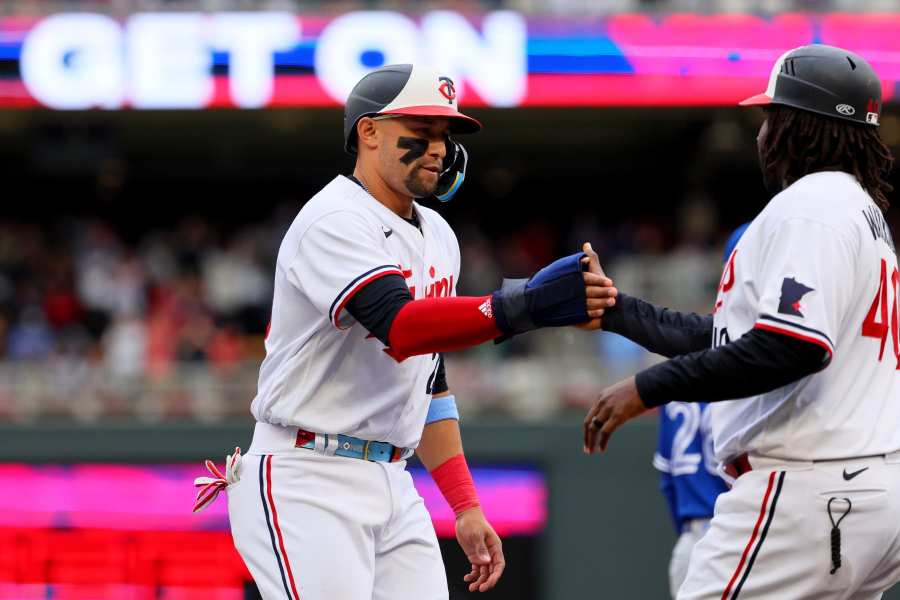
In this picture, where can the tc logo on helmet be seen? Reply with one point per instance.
(447, 89)
(845, 109)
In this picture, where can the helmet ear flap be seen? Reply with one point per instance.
(454, 172)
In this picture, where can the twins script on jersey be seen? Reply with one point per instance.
(817, 264)
(322, 371)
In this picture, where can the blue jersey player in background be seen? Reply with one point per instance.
(688, 480)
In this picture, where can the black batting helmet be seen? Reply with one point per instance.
(409, 90)
(824, 80)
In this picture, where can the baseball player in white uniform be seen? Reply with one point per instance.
(804, 342)
(353, 382)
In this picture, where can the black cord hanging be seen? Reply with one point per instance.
(836, 533)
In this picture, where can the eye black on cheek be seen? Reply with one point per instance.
(416, 148)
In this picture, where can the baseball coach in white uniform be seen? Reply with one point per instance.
(800, 357)
(353, 382)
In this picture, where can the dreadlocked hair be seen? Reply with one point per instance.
(799, 143)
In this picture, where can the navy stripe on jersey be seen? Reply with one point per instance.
(353, 283)
(765, 317)
(262, 495)
(762, 537)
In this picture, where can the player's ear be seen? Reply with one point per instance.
(367, 133)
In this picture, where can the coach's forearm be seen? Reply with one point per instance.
(660, 330)
(758, 362)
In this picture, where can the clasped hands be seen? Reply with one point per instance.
(617, 403)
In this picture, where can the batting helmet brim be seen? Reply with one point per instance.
(757, 100)
(459, 123)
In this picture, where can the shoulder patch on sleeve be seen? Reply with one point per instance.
(792, 292)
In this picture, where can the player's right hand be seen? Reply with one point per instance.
(599, 289)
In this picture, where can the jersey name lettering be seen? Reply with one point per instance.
(878, 226)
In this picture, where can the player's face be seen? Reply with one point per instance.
(412, 153)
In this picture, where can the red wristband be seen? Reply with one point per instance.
(455, 482)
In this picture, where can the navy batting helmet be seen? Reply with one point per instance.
(824, 80)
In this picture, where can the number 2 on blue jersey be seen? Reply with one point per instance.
(684, 461)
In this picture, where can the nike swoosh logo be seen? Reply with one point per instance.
(849, 476)
(387, 232)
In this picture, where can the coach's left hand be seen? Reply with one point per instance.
(617, 404)
(483, 548)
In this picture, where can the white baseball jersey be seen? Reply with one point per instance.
(324, 372)
(817, 264)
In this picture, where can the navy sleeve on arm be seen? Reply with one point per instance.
(440, 378)
(376, 305)
(759, 362)
(660, 330)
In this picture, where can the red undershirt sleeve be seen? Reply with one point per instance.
(441, 325)
(409, 327)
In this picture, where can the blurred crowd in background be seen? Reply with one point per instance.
(111, 317)
(171, 324)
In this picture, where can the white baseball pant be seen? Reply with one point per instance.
(771, 535)
(693, 530)
(317, 527)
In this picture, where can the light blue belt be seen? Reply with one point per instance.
(352, 447)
